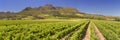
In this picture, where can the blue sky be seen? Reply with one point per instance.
(104, 7)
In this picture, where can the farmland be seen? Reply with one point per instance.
(59, 30)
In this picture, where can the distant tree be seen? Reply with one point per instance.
(117, 19)
(27, 8)
(38, 17)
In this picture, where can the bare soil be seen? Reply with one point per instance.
(87, 36)
(99, 34)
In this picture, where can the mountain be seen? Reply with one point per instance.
(49, 11)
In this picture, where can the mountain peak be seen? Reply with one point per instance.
(49, 5)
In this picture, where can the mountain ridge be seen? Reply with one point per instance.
(49, 11)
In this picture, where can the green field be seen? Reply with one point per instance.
(58, 29)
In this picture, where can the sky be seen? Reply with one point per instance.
(104, 7)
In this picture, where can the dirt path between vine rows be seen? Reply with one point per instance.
(99, 34)
(87, 36)
(68, 35)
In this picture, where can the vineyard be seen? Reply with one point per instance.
(59, 30)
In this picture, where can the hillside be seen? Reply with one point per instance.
(49, 11)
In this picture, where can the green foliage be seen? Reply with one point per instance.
(80, 33)
(67, 31)
(56, 29)
(110, 29)
(33, 30)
